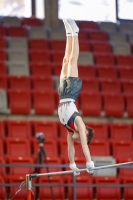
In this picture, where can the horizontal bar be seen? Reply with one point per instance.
(80, 170)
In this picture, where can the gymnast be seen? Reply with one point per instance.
(69, 89)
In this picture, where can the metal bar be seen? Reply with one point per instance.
(47, 165)
(80, 170)
(70, 184)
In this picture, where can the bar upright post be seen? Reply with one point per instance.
(28, 186)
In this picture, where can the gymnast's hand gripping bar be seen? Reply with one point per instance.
(30, 176)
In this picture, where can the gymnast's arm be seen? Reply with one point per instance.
(80, 126)
(70, 149)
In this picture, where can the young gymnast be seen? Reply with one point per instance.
(69, 90)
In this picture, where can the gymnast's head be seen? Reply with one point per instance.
(89, 135)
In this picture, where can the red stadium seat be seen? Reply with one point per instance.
(39, 56)
(50, 147)
(104, 59)
(31, 21)
(110, 86)
(129, 104)
(45, 192)
(124, 60)
(126, 72)
(15, 31)
(2, 31)
(90, 85)
(58, 45)
(2, 189)
(56, 69)
(101, 47)
(20, 101)
(44, 102)
(87, 25)
(18, 129)
(104, 193)
(122, 149)
(127, 86)
(2, 42)
(128, 192)
(62, 131)
(125, 171)
(81, 192)
(38, 44)
(3, 68)
(91, 103)
(87, 71)
(42, 83)
(49, 128)
(98, 35)
(2, 129)
(20, 170)
(1, 148)
(83, 35)
(120, 131)
(99, 148)
(100, 129)
(84, 45)
(107, 72)
(19, 82)
(17, 147)
(3, 82)
(57, 56)
(113, 105)
(41, 68)
(2, 55)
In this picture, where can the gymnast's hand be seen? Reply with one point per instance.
(90, 167)
(74, 168)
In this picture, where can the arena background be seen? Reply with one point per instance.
(32, 44)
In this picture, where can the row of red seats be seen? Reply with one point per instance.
(89, 71)
(92, 104)
(54, 129)
(102, 192)
(29, 21)
(57, 57)
(27, 147)
(59, 45)
(99, 58)
(47, 83)
(21, 31)
(91, 45)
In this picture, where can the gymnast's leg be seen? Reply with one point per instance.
(68, 50)
(73, 59)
